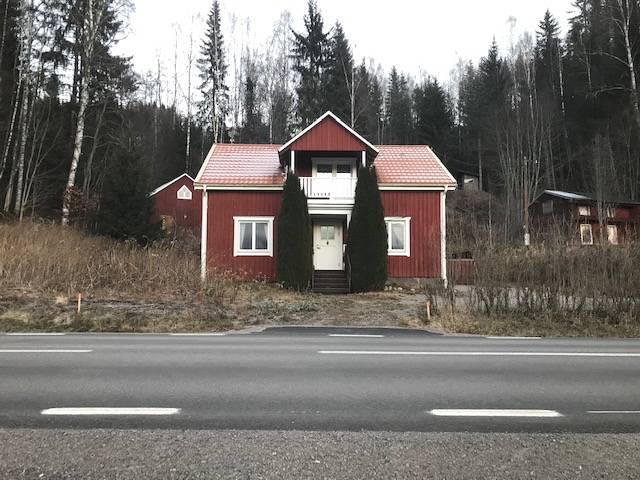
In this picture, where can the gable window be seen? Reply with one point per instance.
(584, 210)
(586, 234)
(184, 193)
(398, 235)
(253, 236)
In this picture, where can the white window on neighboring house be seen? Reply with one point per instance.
(398, 236)
(584, 210)
(586, 234)
(611, 212)
(184, 193)
(253, 236)
(547, 207)
(612, 234)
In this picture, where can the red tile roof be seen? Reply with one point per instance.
(411, 165)
(259, 165)
(241, 165)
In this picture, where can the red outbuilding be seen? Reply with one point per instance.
(242, 190)
(178, 205)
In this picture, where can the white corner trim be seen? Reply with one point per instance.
(443, 237)
(238, 252)
(406, 252)
(203, 236)
(340, 122)
(170, 182)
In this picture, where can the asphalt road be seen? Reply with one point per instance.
(308, 379)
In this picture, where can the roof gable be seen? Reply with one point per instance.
(170, 182)
(328, 134)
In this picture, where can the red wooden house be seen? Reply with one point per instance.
(242, 189)
(178, 204)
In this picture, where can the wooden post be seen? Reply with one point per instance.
(428, 309)
(79, 303)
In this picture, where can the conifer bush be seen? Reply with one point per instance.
(294, 247)
(367, 237)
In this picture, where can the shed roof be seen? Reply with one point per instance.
(170, 182)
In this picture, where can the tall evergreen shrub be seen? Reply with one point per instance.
(367, 238)
(294, 248)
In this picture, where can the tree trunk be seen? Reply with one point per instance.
(625, 14)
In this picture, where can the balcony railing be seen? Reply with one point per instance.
(332, 188)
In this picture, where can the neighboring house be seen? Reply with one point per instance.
(583, 219)
(178, 205)
(242, 190)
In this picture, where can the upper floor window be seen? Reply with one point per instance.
(611, 212)
(334, 167)
(253, 236)
(184, 193)
(398, 235)
(584, 210)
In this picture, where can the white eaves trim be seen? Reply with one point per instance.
(419, 188)
(453, 180)
(162, 187)
(256, 188)
(340, 122)
(204, 165)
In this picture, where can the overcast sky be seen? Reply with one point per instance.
(418, 36)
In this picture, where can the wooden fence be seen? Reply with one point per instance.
(460, 271)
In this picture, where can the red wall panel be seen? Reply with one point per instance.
(424, 209)
(222, 207)
(186, 213)
(328, 136)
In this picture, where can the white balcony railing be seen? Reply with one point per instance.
(332, 188)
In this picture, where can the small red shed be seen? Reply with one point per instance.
(178, 205)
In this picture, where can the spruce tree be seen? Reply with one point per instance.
(125, 208)
(367, 237)
(434, 119)
(398, 101)
(309, 54)
(294, 248)
(253, 129)
(213, 71)
(337, 76)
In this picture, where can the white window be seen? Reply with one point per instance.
(612, 234)
(334, 167)
(398, 235)
(547, 207)
(584, 210)
(253, 236)
(184, 193)
(586, 234)
(611, 212)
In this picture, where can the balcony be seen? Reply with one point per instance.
(331, 188)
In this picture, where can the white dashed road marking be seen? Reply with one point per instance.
(513, 338)
(491, 412)
(35, 334)
(44, 351)
(614, 412)
(110, 411)
(197, 334)
(354, 335)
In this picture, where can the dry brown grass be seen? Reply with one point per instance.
(54, 260)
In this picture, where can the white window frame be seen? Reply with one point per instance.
(406, 251)
(333, 161)
(584, 210)
(239, 252)
(615, 240)
(611, 212)
(184, 196)
(590, 227)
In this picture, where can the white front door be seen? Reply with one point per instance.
(327, 246)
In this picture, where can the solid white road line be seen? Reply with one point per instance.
(110, 411)
(44, 351)
(493, 412)
(197, 334)
(480, 354)
(355, 335)
(614, 412)
(35, 334)
(513, 338)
